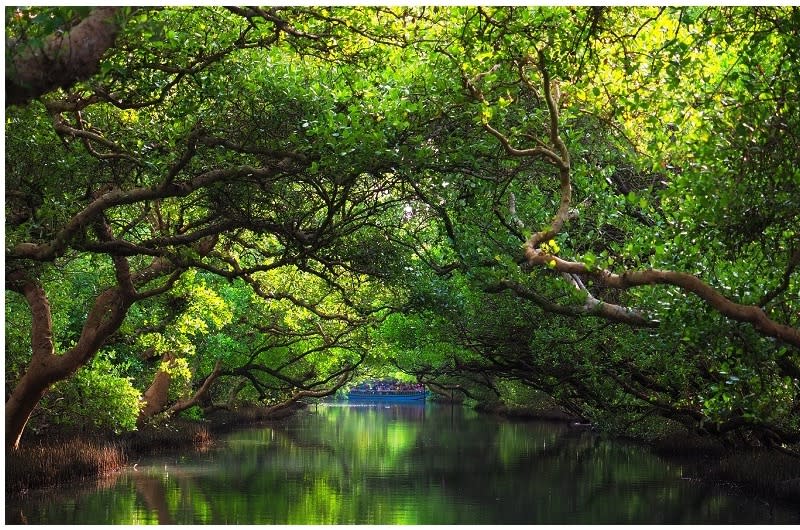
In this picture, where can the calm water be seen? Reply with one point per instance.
(401, 465)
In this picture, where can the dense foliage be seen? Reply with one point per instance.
(589, 208)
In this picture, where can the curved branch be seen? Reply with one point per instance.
(117, 197)
(300, 394)
(688, 282)
(564, 166)
(597, 308)
(557, 154)
(743, 313)
(61, 127)
(794, 262)
(184, 404)
(42, 347)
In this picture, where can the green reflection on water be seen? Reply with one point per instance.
(401, 465)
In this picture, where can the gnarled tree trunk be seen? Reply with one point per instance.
(156, 396)
(46, 367)
(103, 320)
(61, 59)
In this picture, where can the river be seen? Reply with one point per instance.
(401, 464)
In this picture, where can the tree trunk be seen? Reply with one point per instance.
(19, 407)
(45, 367)
(156, 396)
(61, 59)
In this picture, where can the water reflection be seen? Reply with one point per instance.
(406, 464)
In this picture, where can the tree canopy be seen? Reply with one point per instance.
(593, 206)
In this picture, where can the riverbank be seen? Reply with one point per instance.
(71, 456)
(543, 412)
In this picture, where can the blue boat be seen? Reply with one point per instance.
(387, 391)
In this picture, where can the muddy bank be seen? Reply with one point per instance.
(545, 412)
(47, 461)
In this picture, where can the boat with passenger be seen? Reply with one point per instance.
(387, 390)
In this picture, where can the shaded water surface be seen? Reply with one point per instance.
(401, 464)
